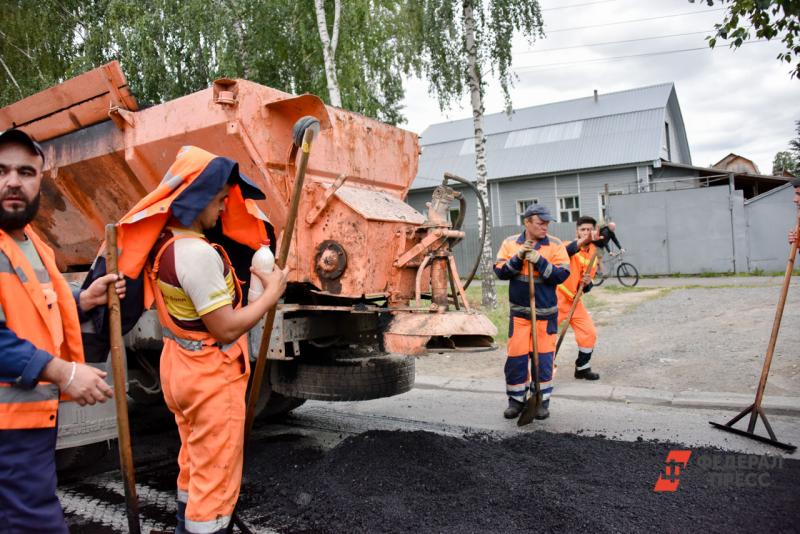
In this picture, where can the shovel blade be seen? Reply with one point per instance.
(529, 412)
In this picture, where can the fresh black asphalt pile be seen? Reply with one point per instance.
(423, 482)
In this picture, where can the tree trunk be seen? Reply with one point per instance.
(329, 48)
(489, 293)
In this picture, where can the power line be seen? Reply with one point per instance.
(578, 5)
(612, 42)
(603, 59)
(635, 20)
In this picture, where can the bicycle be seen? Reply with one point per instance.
(627, 273)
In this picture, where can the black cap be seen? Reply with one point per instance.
(795, 182)
(23, 138)
(537, 209)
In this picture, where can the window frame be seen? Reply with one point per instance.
(520, 212)
(601, 205)
(574, 211)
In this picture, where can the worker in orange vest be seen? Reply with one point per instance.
(41, 355)
(580, 251)
(552, 268)
(205, 362)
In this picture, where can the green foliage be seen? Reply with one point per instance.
(169, 48)
(36, 47)
(783, 161)
(794, 144)
(769, 19)
(436, 31)
(499, 315)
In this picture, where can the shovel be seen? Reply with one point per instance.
(575, 301)
(535, 400)
(304, 131)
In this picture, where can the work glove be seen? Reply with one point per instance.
(534, 255)
(525, 249)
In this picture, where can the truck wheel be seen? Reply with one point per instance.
(345, 380)
(273, 406)
(78, 458)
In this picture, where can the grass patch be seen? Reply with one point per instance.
(498, 316)
(622, 289)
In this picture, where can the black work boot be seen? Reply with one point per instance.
(543, 410)
(586, 374)
(514, 408)
(582, 369)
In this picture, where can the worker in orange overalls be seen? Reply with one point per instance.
(552, 268)
(204, 363)
(41, 353)
(580, 252)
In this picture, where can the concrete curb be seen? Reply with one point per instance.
(735, 402)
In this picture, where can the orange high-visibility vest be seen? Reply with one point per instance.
(578, 266)
(28, 315)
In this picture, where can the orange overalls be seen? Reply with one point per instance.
(581, 323)
(204, 384)
(551, 269)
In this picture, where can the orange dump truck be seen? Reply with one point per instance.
(372, 282)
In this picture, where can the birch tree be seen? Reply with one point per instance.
(329, 44)
(458, 41)
(169, 48)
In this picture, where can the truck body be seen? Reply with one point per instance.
(372, 282)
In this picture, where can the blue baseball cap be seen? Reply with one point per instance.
(542, 212)
(21, 137)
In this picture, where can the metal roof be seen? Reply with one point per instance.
(616, 129)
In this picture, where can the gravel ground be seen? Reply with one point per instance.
(384, 481)
(675, 334)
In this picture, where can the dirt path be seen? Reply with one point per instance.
(699, 335)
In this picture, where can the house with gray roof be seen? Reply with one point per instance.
(563, 154)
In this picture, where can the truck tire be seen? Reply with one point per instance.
(79, 458)
(273, 406)
(345, 380)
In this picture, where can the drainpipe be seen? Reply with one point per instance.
(731, 190)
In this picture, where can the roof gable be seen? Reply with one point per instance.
(616, 129)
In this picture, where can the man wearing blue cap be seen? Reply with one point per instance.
(551, 268)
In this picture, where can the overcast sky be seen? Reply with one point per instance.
(740, 101)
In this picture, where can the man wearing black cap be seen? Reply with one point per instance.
(551, 269)
(41, 354)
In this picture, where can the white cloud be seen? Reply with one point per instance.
(740, 101)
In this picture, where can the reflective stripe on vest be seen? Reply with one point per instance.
(524, 278)
(28, 408)
(566, 291)
(195, 345)
(540, 312)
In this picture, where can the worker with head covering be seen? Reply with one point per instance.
(204, 363)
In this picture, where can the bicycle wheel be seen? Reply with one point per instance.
(597, 282)
(627, 274)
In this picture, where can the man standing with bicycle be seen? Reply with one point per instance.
(582, 266)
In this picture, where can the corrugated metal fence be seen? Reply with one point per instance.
(466, 251)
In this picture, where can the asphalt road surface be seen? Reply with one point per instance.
(438, 460)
